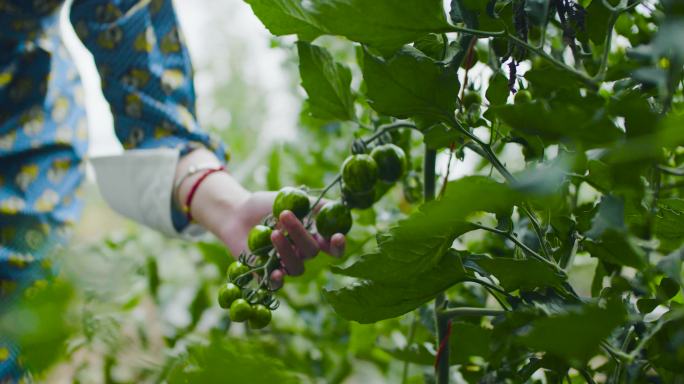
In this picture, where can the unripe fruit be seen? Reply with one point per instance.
(228, 294)
(333, 218)
(240, 310)
(391, 161)
(523, 96)
(291, 199)
(236, 269)
(261, 317)
(359, 173)
(358, 200)
(259, 240)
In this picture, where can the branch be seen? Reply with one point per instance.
(472, 312)
(522, 245)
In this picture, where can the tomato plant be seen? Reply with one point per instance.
(596, 125)
(533, 232)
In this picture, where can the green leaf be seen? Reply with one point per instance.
(286, 17)
(431, 45)
(617, 248)
(371, 301)
(668, 288)
(569, 122)
(234, 360)
(647, 305)
(537, 11)
(41, 323)
(411, 84)
(326, 82)
(514, 274)
(597, 22)
(497, 93)
(611, 215)
(671, 265)
(417, 243)
(669, 223)
(440, 136)
(576, 334)
(416, 354)
(382, 24)
(468, 340)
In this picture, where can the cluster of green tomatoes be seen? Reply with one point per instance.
(248, 294)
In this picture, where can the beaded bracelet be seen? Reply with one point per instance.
(195, 186)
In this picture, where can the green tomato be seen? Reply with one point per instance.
(261, 317)
(333, 218)
(391, 162)
(359, 173)
(523, 96)
(259, 240)
(291, 199)
(228, 294)
(236, 269)
(470, 99)
(240, 311)
(358, 200)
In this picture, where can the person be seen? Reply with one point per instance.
(168, 161)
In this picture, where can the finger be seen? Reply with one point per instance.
(293, 264)
(277, 279)
(334, 247)
(304, 243)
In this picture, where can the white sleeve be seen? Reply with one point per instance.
(138, 184)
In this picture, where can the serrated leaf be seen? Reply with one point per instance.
(383, 24)
(370, 301)
(616, 247)
(669, 223)
(514, 274)
(327, 83)
(234, 360)
(576, 334)
(286, 17)
(569, 122)
(416, 244)
(357, 20)
(411, 84)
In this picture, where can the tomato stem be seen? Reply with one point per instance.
(469, 312)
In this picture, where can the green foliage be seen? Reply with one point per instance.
(582, 174)
(410, 84)
(326, 82)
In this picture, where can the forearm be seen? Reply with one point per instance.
(221, 204)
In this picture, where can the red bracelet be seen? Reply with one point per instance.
(194, 188)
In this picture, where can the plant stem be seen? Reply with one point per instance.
(386, 128)
(409, 341)
(442, 324)
(488, 285)
(465, 311)
(522, 245)
(601, 74)
(488, 153)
